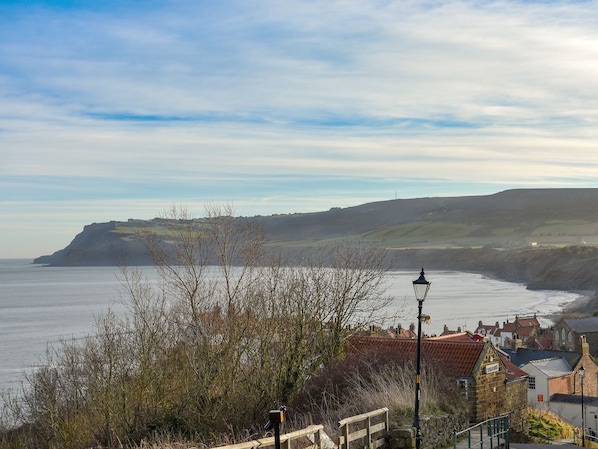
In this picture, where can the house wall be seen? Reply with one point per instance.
(572, 413)
(516, 395)
(542, 385)
(590, 382)
(569, 412)
(491, 395)
(562, 384)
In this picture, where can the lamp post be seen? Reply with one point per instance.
(421, 287)
(581, 371)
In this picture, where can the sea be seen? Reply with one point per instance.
(40, 305)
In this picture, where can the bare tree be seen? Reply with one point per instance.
(227, 332)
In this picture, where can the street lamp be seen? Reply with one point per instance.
(581, 371)
(421, 287)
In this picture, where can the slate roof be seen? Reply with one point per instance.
(574, 399)
(581, 325)
(522, 356)
(454, 358)
(513, 372)
(555, 367)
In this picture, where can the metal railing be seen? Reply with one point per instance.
(489, 434)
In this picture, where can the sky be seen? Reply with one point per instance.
(119, 109)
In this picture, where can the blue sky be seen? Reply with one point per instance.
(112, 110)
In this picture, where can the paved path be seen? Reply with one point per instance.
(564, 444)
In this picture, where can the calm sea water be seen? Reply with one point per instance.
(41, 305)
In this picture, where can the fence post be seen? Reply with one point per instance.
(346, 435)
(369, 432)
(318, 438)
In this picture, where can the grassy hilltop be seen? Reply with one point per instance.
(547, 238)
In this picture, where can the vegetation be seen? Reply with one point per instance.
(354, 385)
(546, 426)
(228, 333)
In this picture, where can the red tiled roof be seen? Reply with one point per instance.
(488, 327)
(459, 336)
(525, 331)
(528, 321)
(453, 358)
(512, 370)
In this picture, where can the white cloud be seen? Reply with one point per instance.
(292, 105)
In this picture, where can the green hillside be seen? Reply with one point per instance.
(547, 238)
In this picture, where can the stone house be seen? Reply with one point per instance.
(568, 332)
(490, 382)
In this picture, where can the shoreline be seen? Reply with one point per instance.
(584, 306)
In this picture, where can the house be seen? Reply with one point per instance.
(554, 382)
(491, 383)
(548, 377)
(523, 331)
(522, 356)
(492, 331)
(567, 333)
(575, 360)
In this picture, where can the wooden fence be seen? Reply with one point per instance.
(311, 434)
(368, 430)
(364, 431)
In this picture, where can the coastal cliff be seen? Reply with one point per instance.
(544, 238)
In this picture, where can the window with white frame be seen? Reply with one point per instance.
(531, 383)
(463, 385)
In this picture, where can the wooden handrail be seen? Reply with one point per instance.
(314, 431)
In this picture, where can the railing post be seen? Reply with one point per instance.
(507, 432)
(482, 437)
(369, 432)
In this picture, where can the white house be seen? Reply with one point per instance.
(547, 377)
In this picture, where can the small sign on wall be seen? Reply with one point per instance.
(492, 368)
(540, 398)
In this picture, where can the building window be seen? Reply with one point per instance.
(463, 386)
(531, 383)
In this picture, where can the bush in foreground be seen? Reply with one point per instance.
(227, 333)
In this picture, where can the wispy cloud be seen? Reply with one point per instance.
(111, 109)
